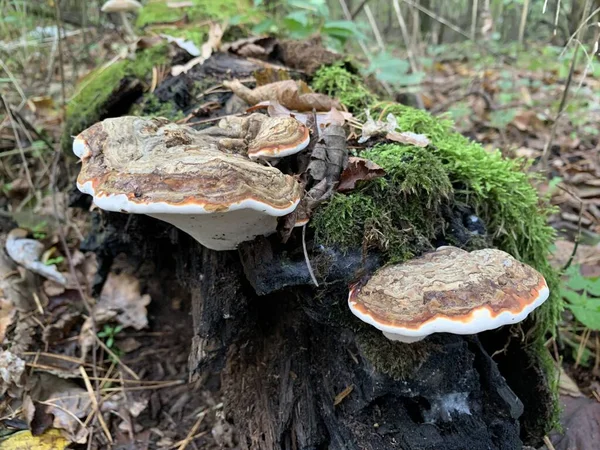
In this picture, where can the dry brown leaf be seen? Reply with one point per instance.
(27, 252)
(359, 169)
(215, 34)
(252, 47)
(7, 316)
(12, 370)
(324, 119)
(121, 293)
(289, 93)
(408, 137)
(580, 420)
(64, 401)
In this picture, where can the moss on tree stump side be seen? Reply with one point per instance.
(402, 215)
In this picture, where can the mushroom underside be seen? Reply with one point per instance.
(222, 231)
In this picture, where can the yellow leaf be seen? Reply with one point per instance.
(24, 440)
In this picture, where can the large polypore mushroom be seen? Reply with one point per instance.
(449, 290)
(148, 166)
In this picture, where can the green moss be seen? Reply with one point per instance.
(395, 359)
(88, 105)
(151, 106)
(349, 88)
(158, 11)
(399, 215)
(393, 214)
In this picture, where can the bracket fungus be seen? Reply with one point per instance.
(167, 171)
(448, 291)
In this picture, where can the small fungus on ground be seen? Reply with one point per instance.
(149, 166)
(448, 291)
(122, 7)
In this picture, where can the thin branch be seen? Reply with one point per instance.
(375, 28)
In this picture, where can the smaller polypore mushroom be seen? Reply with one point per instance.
(448, 291)
(278, 137)
(148, 166)
(122, 7)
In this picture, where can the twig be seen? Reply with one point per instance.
(362, 45)
(60, 59)
(434, 16)
(358, 9)
(30, 127)
(310, 271)
(524, 13)
(409, 47)
(375, 28)
(18, 142)
(116, 358)
(474, 19)
(95, 405)
(563, 100)
(191, 433)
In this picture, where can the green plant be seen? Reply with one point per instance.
(582, 295)
(300, 19)
(39, 230)
(392, 70)
(52, 261)
(108, 335)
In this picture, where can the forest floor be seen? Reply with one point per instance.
(508, 101)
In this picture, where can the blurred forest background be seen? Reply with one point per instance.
(519, 75)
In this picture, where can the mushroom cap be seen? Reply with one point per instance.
(112, 6)
(449, 290)
(279, 137)
(151, 166)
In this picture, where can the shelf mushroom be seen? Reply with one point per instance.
(148, 166)
(448, 291)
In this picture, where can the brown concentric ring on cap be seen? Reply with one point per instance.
(450, 290)
(279, 137)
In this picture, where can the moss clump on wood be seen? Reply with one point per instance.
(89, 103)
(349, 88)
(158, 11)
(395, 359)
(400, 214)
(150, 105)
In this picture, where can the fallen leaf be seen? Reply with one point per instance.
(12, 369)
(580, 420)
(252, 47)
(215, 34)
(121, 293)
(184, 44)
(408, 137)
(289, 93)
(359, 169)
(119, 300)
(24, 440)
(64, 401)
(27, 252)
(324, 119)
(372, 128)
(7, 315)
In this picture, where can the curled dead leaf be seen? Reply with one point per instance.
(62, 401)
(12, 370)
(408, 137)
(289, 93)
(27, 252)
(358, 169)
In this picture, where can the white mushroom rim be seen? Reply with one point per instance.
(121, 203)
(273, 153)
(480, 319)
